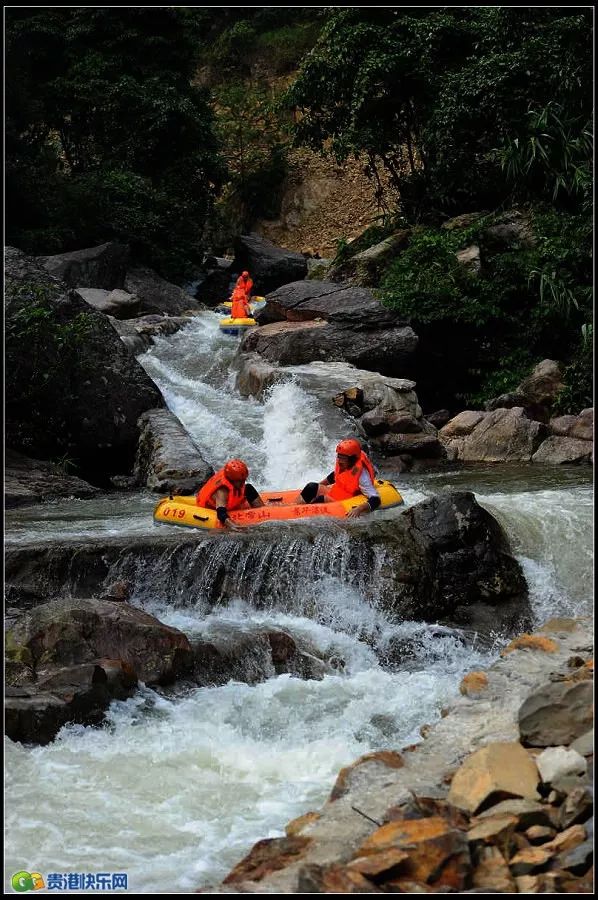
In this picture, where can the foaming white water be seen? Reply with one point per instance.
(298, 440)
(287, 440)
(551, 532)
(174, 792)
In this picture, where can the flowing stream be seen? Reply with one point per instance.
(177, 787)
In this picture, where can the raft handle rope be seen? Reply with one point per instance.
(201, 518)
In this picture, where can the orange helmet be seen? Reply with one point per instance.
(245, 274)
(236, 470)
(350, 447)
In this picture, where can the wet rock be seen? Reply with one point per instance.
(75, 694)
(447, 560)
(270, 266)
(498, 771)
(558, 713)
(103, 266)
(167, 459)
(492, 872)
(268, 856)
(29, 481)
(156, 295)
(87, 409)
(74, 632)
(117, 303)
(386, 350)
(251, 655)
(139, 334)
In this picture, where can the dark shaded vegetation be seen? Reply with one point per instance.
(164, 128)
(106, 136)
(469, 110)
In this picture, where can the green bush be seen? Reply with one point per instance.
(482, 333)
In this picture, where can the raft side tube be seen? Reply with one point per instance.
(280, 506)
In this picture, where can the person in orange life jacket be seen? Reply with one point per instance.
(353, 475)
(228, 490)
(244, 281)
(240, 308)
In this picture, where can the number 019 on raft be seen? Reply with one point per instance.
(279, 506)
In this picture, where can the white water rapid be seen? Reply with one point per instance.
(176, 787)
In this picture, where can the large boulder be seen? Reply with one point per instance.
(117, 303)
(580, 427)
(387, 350)
(365, 267)
(94, 267)
(270, 266)
(157, 295)
(67, 659)
(559, 450)
(218, 283)
(167, 459)
(503, 435)
(535, 394)
(71, 386)
(315, 320)
(34, 713)
(303, 301)
(33, 480)
(75, 631)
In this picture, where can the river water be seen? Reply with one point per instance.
(175, 788)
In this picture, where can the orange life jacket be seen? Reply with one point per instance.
(240, 305)
(346, 484)
(205, 495)
(246, 285)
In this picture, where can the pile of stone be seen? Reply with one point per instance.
(515, 815)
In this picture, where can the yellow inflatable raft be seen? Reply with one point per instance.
(254, 304)
(280, 505)
(235, 326)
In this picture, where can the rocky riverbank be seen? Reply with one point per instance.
(498, 797)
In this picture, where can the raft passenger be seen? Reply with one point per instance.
(245, 283)
(353, 475)
(228, 490)
(240, 308)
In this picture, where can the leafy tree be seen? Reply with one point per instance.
(107, 137)
(431, 94)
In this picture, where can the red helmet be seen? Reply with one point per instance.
(350, 447)
(236, 470)
(245, 274)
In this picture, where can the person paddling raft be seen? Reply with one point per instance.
(228, 490)
(353, 475)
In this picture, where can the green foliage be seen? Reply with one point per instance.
(372, 235)
(37, 335)
(431, 93)
(102, 115)
(485, 331)
(553, 153)
(578, 392)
